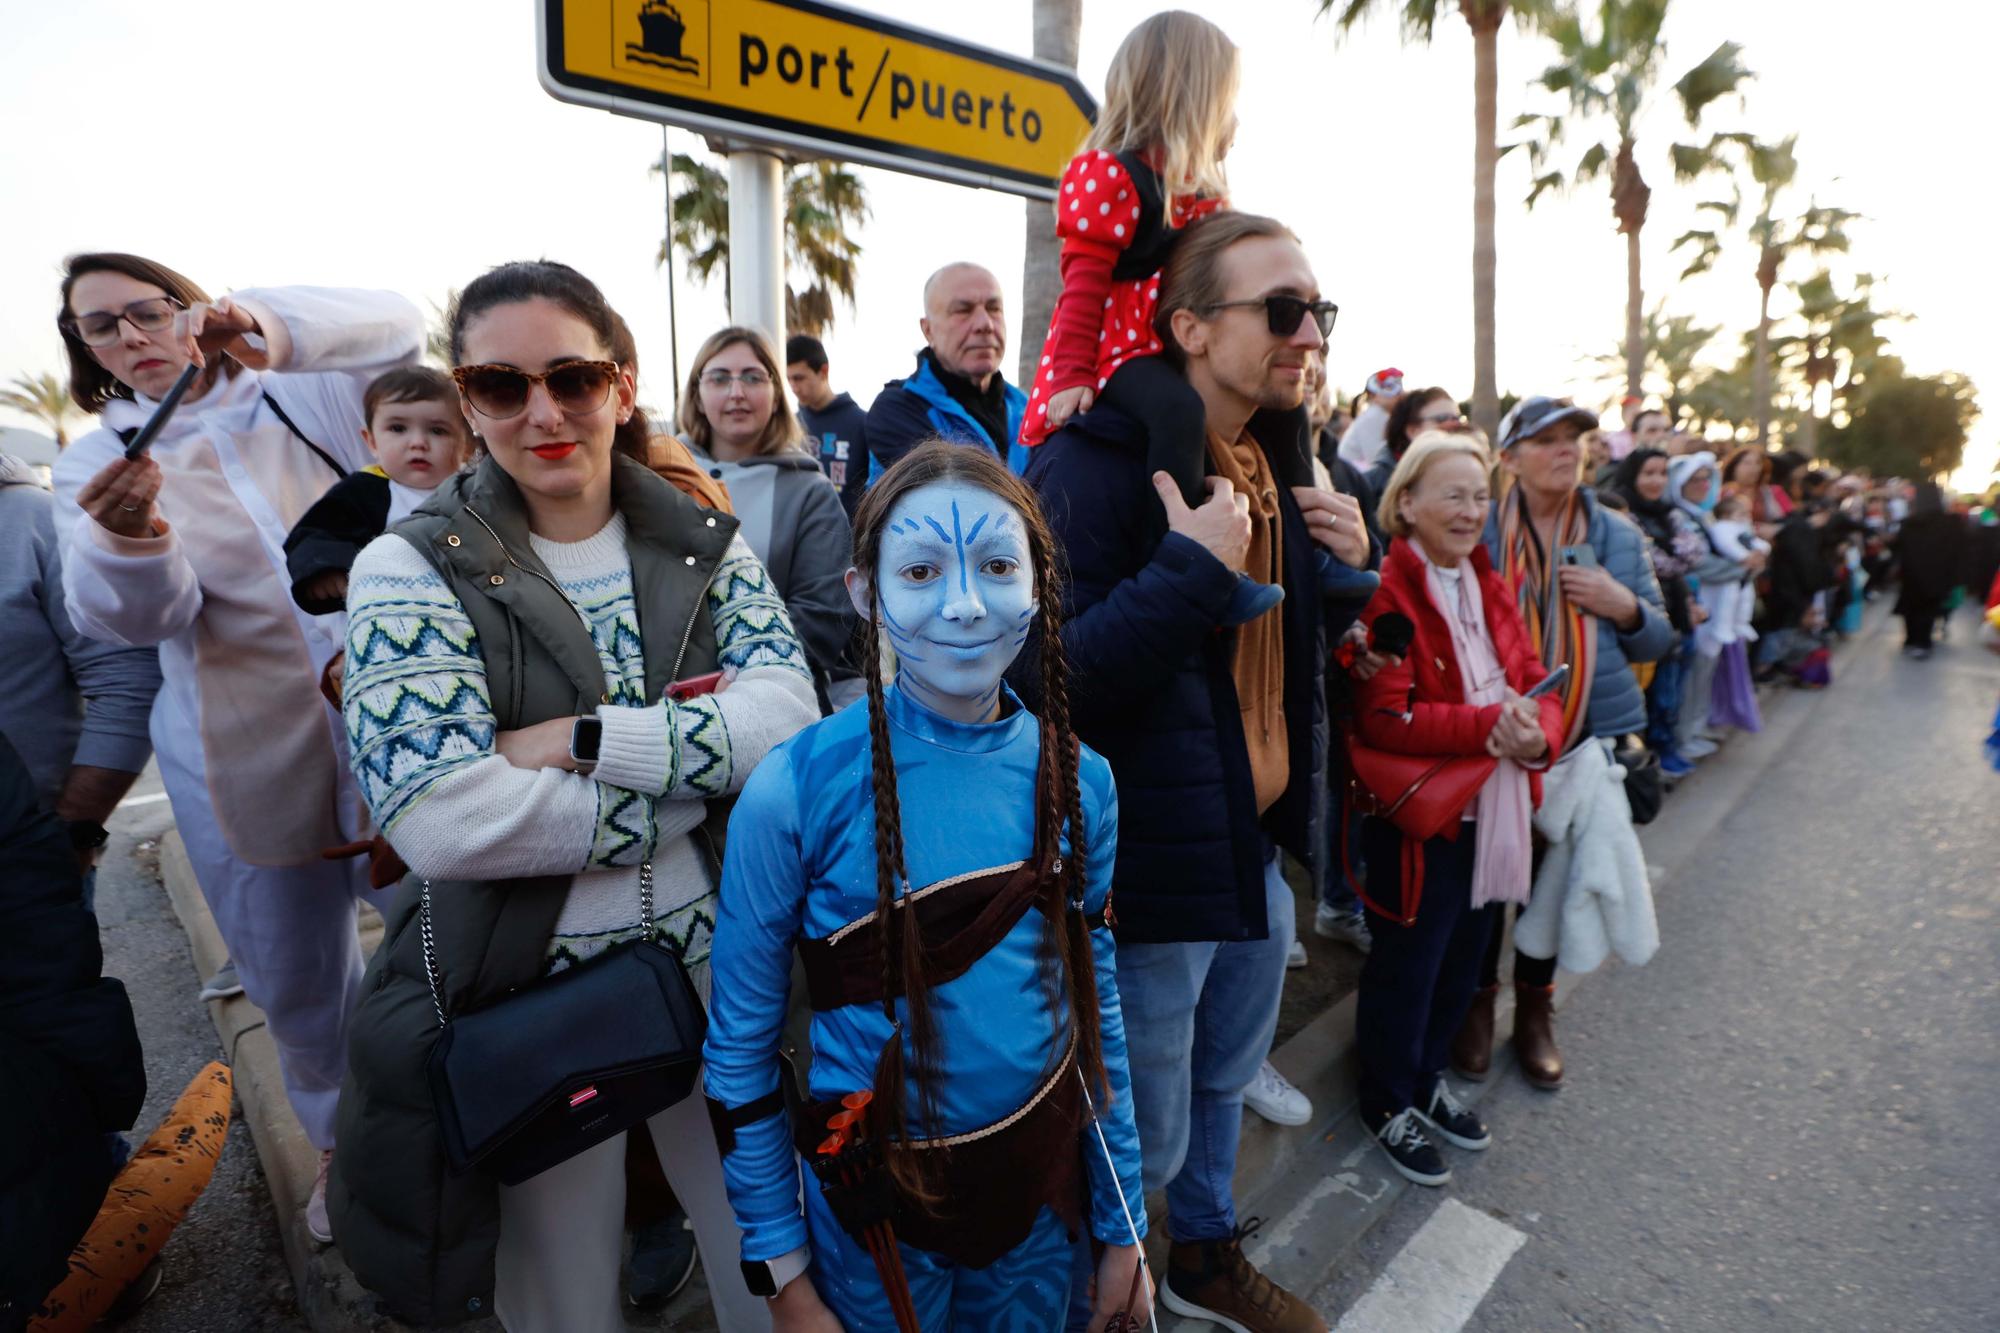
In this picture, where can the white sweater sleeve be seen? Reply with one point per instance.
(136, 592)
(326, 344)
(421, 726)
(707, 746)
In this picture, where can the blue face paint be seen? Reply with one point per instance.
(957, 595)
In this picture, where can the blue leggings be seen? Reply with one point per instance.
(1026, 1290)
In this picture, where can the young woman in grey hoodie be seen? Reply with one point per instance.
(738, 422)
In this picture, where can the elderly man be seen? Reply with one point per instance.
(957, 392)
(1217, 740)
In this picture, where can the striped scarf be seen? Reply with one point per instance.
(1562, 632)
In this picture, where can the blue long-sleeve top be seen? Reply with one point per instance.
(801, 861)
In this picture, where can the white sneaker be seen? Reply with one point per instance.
(1272, 1096)
(1297, 956)
(1350, 928)
(1699, 749)
(317, 1225)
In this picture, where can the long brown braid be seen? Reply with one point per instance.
(1067, 962)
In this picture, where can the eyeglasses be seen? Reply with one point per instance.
(500, 392)
(720, 380)
(1284, 314)
(99, 328)
(1444, 418)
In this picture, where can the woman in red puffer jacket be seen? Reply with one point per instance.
(1457, 693)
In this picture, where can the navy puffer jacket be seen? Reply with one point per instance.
(1152, 692)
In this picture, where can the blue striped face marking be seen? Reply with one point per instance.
(957, 593)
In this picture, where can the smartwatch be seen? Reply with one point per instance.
(586, 738)
(767, 1277)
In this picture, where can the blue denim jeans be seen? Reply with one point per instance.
(1199, 1018)
(1663, 705)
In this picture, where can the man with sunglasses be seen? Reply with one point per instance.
(1217, 738)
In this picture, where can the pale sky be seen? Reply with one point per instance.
(409, 146)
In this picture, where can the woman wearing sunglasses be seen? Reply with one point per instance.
(183, 547)
(510, 653)
(738, 423)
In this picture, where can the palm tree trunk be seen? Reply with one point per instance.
(1058, 28)
(1761, 368)
(1635, 319)
(1485, 21)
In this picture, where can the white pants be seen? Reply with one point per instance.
(290, 931)
(562, 1233)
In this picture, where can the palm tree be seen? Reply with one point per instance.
(824, 201)
(1673, 344)
(1058, 28)
(1608, 74)
(1840, 346)
(45, 398)
(1419, 21)
(1817, 231)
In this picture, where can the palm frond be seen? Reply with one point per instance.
(1721, 74)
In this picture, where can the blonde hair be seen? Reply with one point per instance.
(1425, 450)
(781, 433)
(1172, 85)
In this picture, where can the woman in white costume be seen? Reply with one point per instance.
(184, 548)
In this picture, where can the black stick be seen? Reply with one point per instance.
(163, 413)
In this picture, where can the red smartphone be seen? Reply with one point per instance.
(694, 687)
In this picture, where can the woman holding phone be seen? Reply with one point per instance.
(1586, 592)
(1463, 691)
(511, 652)
(183, 547)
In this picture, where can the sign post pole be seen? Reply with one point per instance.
(757, 243)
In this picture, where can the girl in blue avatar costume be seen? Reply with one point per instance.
(955, 950)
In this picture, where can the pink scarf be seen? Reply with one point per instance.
(1501, 858)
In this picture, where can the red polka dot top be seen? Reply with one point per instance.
(1112, 220)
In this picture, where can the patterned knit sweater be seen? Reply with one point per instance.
(421, 726)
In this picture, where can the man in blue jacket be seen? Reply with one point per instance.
(1216, 736)
(957, 392)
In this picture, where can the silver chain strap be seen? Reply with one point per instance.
(430, 938)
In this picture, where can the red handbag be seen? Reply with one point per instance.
(1424, 796)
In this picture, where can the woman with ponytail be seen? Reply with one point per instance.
(955, 948)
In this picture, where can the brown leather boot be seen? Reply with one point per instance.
(1472, 1048)
(1535, 1036)
(1213, 1280)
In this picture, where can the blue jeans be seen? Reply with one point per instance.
(1337, 894)
(1199, 1018)
(1663, 704)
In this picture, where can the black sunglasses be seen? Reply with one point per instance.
(1285, 313)
(500, 392)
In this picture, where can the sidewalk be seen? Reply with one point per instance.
(1318, 1186)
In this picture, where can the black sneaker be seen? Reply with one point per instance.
(1454, 1121)
(1415, 1156)
(663, 1255)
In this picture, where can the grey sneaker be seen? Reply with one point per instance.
(223, 985)
(1350, 928)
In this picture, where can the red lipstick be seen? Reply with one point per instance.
(553, 452)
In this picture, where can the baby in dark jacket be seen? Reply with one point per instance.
(419, 437)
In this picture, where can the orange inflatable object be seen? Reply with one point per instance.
(143, 1206)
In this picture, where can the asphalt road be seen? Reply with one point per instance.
(1785, 1120)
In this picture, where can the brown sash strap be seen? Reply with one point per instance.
(994, 1181)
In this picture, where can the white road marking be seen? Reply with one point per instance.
(1278, 1237)
(1440, 1277)
(142, 800)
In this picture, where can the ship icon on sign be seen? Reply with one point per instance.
(660, 31)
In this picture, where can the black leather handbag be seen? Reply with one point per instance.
(551, 1069)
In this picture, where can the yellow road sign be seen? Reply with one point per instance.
(821, 80)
